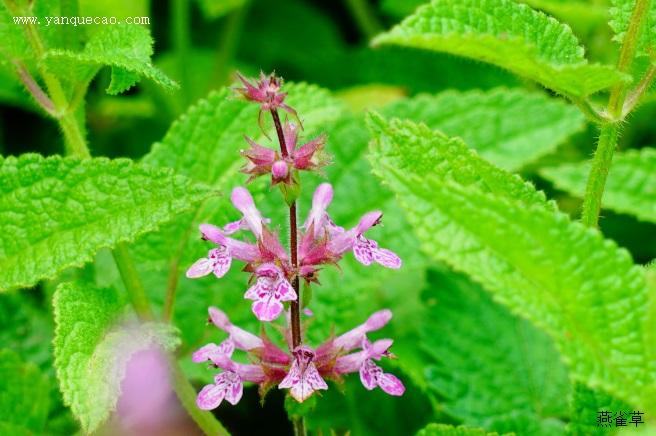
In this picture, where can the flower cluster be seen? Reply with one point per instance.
(275, 276)
(302, 370)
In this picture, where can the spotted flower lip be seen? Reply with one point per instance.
(303, 378)
(269, 291)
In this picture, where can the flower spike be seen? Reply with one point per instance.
(276, 273)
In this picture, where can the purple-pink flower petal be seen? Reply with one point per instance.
(218, 261)
(243, 201)
(242, 339)
(303, 378)
(372, 375)
(268, 292)
(226, 385)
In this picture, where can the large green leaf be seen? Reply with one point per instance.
(57, 212)
(449, 430)
(631, 184)
(126, 48)
(93, 344)
(620, 18)
(510, 127)
(585, 405)
(507, 34)
(493, 369)
(566, 278)
(24, 396)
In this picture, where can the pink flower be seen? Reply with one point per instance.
(269, 291)
(325, 243)
(220, 259)
(354, 338)
(303, 378)
(263, 160)
(229, 383)
(301, 370)
(371, 374)
(226, 385)
(266, 92)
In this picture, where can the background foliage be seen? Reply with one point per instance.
(510, 316)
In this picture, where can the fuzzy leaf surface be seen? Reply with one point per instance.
(92, 348)
(55, 212)
(630, 187)
(507, 34)
(581, 289)
(126, 48)
(620, 18)
(492, 369)
(509, 127)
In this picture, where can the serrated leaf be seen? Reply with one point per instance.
(581, 289)
(509, 127)
(492, 369)
(24, 396)
(507, 34)
(93, 344)
(449, 430)
(620, 18)
(126, 48)
(55, 212)
(630, 187)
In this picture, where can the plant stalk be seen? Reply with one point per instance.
(133, 284)
(610, 129)
(293, 244)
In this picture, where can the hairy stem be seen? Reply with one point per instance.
(610, 129)
(293, 244)
(34, 89)
(599, 172)
(636, 95)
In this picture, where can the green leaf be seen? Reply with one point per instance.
(126, 48)
(585, 405)
(55, 212)
(449, 430)
(620, 17)
(24, 396)
(631, 184)
(510, 35)
(493, 370)
(581, 289)
(13, 41)
(510, 127)
(92, 349)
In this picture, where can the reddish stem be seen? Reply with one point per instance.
(293, 243)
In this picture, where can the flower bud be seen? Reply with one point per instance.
(279, 170)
